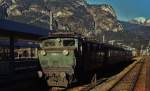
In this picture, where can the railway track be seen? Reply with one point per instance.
(87, 87)
(143, 82)
(124, 81)
(129, 81)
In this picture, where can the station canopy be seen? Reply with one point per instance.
(18, 30)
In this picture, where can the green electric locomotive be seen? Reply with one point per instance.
(58, 59)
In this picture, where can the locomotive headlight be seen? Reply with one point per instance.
(43, 52)
(40, 74)
(65, 52)
(62, 74)
(58, 39)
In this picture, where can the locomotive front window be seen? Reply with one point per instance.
(59, 42)
(48, 43)
(68, 42)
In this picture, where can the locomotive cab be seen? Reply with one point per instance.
(57, 59)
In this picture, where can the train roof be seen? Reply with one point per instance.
(112, 47)
(62, 34)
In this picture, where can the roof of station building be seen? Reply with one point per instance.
(21, 30)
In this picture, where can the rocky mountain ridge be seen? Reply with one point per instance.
(76, 15)
(105, 18)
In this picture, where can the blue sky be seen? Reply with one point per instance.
(127, 9)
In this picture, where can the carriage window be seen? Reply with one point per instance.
(33, 53)
(4, 53)
(25, 53)
(68, 42)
